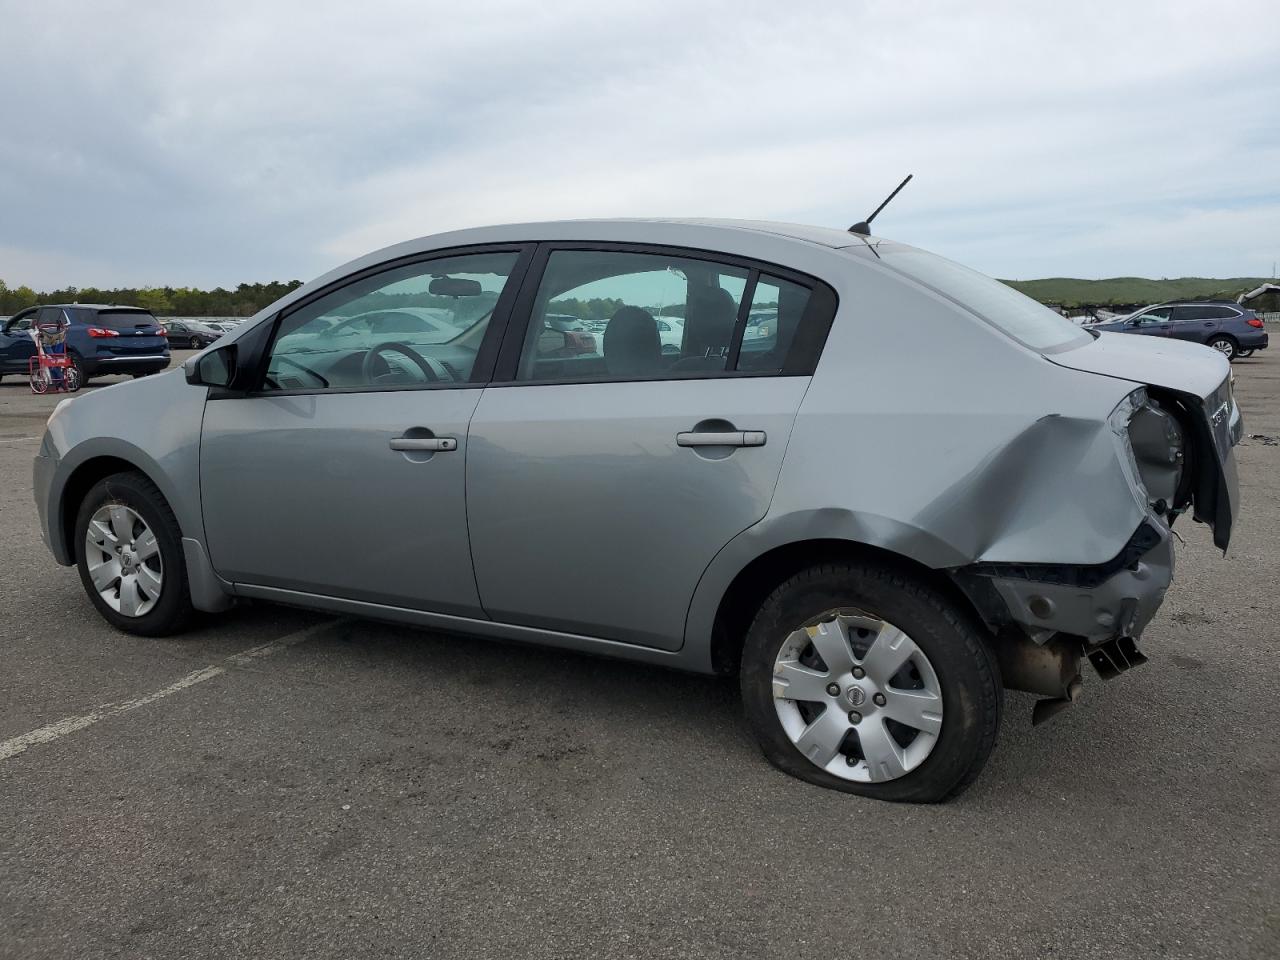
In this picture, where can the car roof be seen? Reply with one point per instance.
(690, 231)
(1195, 303)
(823, 236)
(94, 306)
(758, 239)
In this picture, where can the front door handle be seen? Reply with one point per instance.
(440, 444)
(721, 438)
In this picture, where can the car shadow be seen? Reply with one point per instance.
(526, 699)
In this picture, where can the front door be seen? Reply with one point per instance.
(1153, 323)
(342, 474)
(600, 485)
(16, 345)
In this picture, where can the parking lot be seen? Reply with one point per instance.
(278, 783)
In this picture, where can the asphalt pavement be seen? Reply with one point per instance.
(283, 784)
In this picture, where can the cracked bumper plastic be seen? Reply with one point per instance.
(1120, 605)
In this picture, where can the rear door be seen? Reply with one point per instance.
(1196, 323)
(600, 486)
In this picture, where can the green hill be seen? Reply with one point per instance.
(1124, 291)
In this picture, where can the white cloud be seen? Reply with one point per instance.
(207, 143)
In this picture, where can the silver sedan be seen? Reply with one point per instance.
(875, 541)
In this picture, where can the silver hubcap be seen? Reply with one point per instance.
(124, 561)
(1224, 346)
(857, 697)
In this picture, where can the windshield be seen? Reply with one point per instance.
(1031, 324)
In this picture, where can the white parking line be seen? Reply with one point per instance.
(55, 731)
(18, 439)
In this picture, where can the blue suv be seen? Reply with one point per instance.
(1232, 330)
(100, 339)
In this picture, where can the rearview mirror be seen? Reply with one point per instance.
(454, 287)
(215, 368)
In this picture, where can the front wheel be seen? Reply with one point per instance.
(39, 380)
(129, 553)
(1225, 346)
(865, 679)
(195, 344)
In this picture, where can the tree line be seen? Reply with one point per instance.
(244, 301)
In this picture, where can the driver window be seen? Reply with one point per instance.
(416, 325)
(1154, 316)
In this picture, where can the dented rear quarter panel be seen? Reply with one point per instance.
(966, 448)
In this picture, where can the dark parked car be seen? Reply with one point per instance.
(100, 339)
(189, 334)
(1229, 328)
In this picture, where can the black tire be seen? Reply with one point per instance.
(195, 343)
(79, 365)
(173, 611)
(967, 672)
(1226, 346)
(1242, 354)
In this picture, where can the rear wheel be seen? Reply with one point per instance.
(195, 343)
(1240, 354)
(81, 377)
(1225, 346)
(39, 380)
(864, 679)
(129, 554)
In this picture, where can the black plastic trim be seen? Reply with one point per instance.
(1073, 575)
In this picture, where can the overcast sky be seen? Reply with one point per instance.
(206, 143)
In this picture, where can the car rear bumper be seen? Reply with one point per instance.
(1257, 342)
(147, 363)
(1097, 603)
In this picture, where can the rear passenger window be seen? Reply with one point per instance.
(776, 313)
(610, 315)
(616, 315)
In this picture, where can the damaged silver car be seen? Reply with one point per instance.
(875, 541)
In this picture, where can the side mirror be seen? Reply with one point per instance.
(214, 368)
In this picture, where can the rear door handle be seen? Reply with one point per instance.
(725, 438)
(424, 443)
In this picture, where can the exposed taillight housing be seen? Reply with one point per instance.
(102, 332)
(1256, 322)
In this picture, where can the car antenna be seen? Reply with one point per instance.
(863, 227)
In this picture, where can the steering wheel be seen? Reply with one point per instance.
(368, 374)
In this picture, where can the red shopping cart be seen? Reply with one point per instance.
(51, 369)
